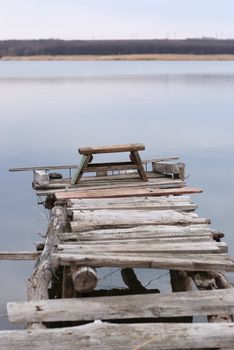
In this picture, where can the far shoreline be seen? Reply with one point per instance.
(133, 57)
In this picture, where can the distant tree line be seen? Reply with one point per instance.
(204, 46)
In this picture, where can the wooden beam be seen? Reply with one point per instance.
(140, 232)
(182, 203)
(172, 247)
(106, 185)
(107, 219)
(126, 192)
(112, 148)
(84, 278)
(107, 308)
(188, 262)
(137, 201)
(21, 255)
(137, 160)
(80, 169)
(99, 335)
(43, 272)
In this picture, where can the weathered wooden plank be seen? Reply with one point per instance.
(20, 255)
(99, 219)
(99, 336)
(126, 192)
(154, 206)
(146, 231)
(112, 148)
(52, 188)
(138, 201)
(172, 247)
(187, 262)
(138, 306)
(75, 237)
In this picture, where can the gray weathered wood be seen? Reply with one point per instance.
(99, 336)
(21, 255)
(172, 247)
(142, 231)
(156, 203)
(129, 306)
(212, 280)
(42, 274)
(186, 207)
(169, 168)
(126, 192)
(98, 219)
(85, 203)
(84, 278)
(113, 183)
(188, 262)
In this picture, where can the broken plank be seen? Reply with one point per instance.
(187, 262)
(20, 255)
(101, 335)
(138, 306)
(126, 192)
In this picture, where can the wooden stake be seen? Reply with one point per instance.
(84, 278)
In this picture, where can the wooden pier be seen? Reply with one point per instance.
(126, 215)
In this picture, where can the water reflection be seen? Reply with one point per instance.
(48, 109)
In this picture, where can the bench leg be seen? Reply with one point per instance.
(85, 160)
(136, 159)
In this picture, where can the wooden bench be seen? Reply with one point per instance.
(87, 156)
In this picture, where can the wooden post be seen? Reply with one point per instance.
(43, 272)
(68, 290)
(130, 279)
(181, 282)
(84, 278)
(212, 280)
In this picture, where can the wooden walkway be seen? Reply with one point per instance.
(120, 221)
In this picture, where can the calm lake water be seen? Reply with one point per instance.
(49, 109)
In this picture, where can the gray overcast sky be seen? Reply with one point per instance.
(107, 19)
